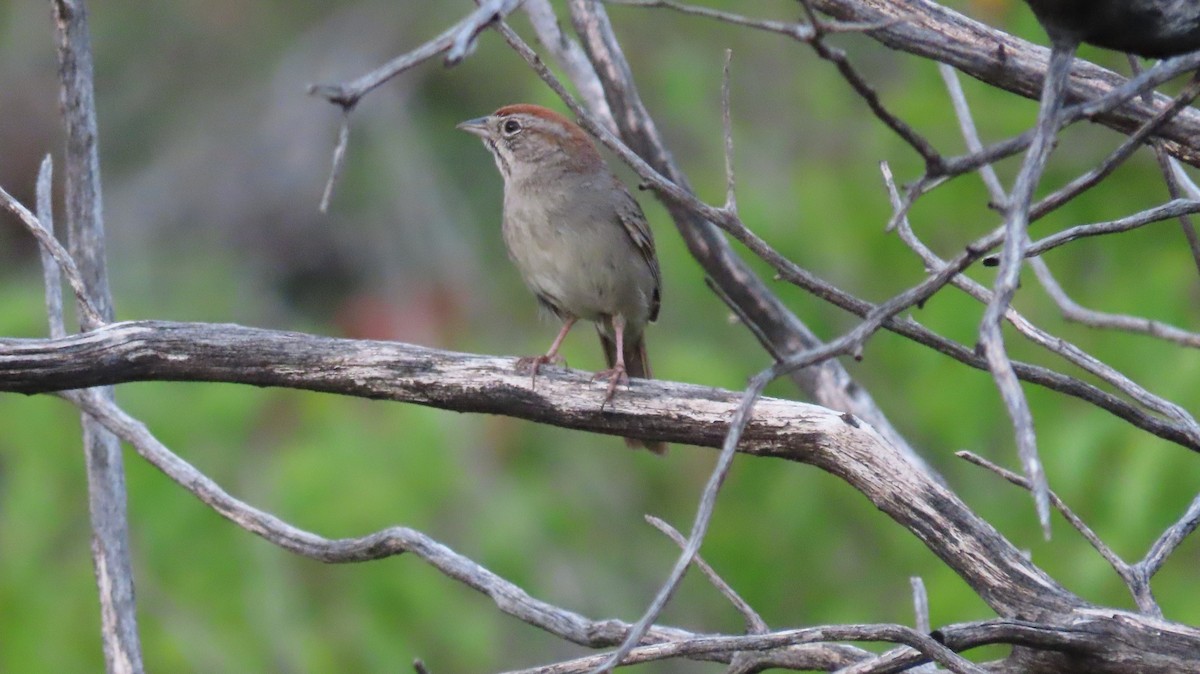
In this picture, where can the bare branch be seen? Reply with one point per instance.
(59, 256)
(708, 503)
(1072, 353)
(927, 646)
(390, 542)
(970, 133)
(338, 161)
(1172, 209)
(1169, 168)
(930, 30)
(648, 409)
(86, 242)
(1074, 312)
(1170, 539)
(727, 132)
(1183, 423)
(920, 603)
(754, 622)
(1100, 546)
(1117, 156)
(51, 276)
(934, 162)
(1106, 100)
(571, 57)
(1016, 239)
(457, 40)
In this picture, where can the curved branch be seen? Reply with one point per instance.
(655, 410)
(652, 410)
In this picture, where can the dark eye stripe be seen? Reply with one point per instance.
(500, 160)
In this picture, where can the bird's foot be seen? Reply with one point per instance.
(533, 363)
(616, 375)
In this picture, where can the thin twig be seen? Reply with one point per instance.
(1073, 311)
(1137, 583)
(921, 613)
(970, 133)
(798, 31)
(1016, 237)
(457, 40)
(926, 645)
(51, 276)
(708, 503)
(571, 58)
(1065, 349)
(338, 161)
(1113, 99)
(727, 130)
(920, 603)
(1081, 526)
(934, 162)
(754, 622)
(1118, 156)
(1172, 209)
(488, 12)
(1168, 166)
(50, 245)
(1171, 538)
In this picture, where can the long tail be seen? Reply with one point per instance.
(637, 364)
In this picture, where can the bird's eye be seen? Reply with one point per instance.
(511, 127)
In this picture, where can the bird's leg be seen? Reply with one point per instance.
(616, 374)
(551, 356)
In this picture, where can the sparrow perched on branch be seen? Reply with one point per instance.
(576, 235)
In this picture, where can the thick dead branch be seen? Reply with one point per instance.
(652, 410)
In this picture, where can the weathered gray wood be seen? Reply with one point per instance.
(85, 237)
(1101, 639)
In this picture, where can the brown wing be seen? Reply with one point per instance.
(634, 222)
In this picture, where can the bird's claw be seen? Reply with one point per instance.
(534, 363)
(616, 375)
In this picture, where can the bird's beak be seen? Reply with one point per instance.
(475, 127)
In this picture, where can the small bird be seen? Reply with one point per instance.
(577, 236)
(1153, 28)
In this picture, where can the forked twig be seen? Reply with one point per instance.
(456, 42)
(50, 245)
(754, 622)
(1134, 578)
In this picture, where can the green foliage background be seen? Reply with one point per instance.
(213, 161)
